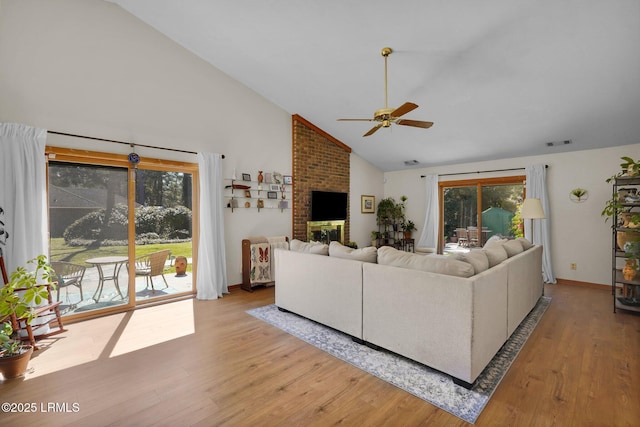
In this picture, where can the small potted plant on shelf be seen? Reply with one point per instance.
(629, 168)
(17, 301)
(632, 255)
(408, 227)
(618, 206)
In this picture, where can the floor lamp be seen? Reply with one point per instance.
(532, 209)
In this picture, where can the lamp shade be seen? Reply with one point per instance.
(532, 209)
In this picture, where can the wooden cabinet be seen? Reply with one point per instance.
(625, 289)
(256, 195)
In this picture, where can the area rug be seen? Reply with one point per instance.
(432, 386)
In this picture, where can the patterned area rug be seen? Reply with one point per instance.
(421, 381)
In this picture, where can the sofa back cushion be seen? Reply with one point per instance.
(309, 247)
(367, 254)
(477, 259)
(526, 244)
(495, 252)
(432, 263)
(513, 247)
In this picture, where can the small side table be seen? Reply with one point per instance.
(408, 245)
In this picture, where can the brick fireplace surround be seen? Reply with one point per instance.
(320, 162)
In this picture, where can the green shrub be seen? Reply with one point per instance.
(153, 223)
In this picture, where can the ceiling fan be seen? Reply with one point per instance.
(385, 116)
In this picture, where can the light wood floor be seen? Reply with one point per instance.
(209, 363)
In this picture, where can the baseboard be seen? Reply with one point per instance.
(579, 283)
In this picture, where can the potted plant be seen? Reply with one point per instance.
(615, 207)
(386, 210)
(18, 300)
(408, 227)
(629, 167)
(375, 237)
(632, 254)
(14, 357)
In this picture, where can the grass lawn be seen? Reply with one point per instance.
(59, 251)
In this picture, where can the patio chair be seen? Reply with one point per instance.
(473, 236)
(152, 265)
(463, 240)
(68, 274)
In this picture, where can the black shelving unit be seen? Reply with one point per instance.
(626, 293)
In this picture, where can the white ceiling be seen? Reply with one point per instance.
(500, 78)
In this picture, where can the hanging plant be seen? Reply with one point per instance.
(579, 195)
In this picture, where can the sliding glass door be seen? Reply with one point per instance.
(120, 235)
(475, 210)
(88, 217)
(164, 230)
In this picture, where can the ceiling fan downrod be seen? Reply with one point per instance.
(386, 51)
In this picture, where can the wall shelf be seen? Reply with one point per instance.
(258, 195)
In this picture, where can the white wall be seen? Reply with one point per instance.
(90, 68)
(579, 233)
(366, 179)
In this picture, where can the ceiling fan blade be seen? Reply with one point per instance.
(404, 109)
(355, 120)
(414, 123)
(373, 129)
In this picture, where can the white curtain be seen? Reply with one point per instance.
(23, 194)
(212, 264)
(429, 234)
(537, 188)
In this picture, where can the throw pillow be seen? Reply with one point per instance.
(367, 254)
(477, 259)
(513, 247)
(526, 244)
(431, 263)
(494, 238)
(309, 247)
(495, 252)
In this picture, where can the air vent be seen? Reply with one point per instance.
(556, 143)
(411, 162)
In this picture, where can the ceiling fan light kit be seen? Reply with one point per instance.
(387, 116)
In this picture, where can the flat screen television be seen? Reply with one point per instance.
(328, 206)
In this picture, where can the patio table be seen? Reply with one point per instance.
(100, 263)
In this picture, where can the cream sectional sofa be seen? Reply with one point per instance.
(450, 314)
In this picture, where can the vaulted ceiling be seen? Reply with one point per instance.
(499, 78)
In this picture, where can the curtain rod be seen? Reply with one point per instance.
(494, 170)
(131, 144)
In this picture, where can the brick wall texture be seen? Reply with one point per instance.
(319, 163)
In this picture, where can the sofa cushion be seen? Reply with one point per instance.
(432, 263)
(368, 254)
(513, 247)
(309, 247)
(477, 259)
(526, 244)
(495, 252)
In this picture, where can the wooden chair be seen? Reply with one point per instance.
(473, 236)
(463, 239)
(152, 265)
(48, 313)
(68, 274)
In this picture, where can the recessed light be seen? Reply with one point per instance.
(411, 162)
